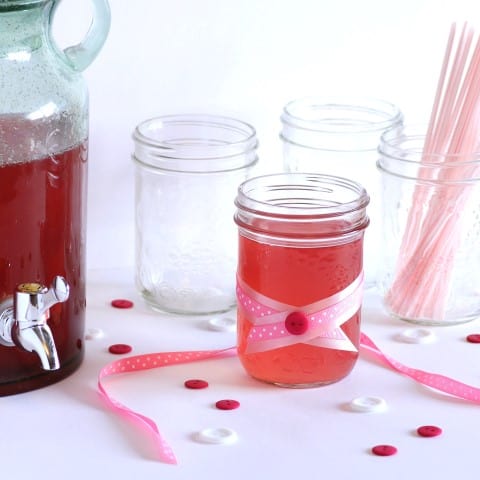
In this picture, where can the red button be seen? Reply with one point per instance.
(227, 404)
(121, 303)
(473, 338)
(196, 383)
(296, 323)
(384, 450)
(429, 431)
(119, 348)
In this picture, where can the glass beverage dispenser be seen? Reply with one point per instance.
(43, 175)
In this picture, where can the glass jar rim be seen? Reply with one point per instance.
(195, 143)
(316, 183)
(301, 209)
(247, 133)
(407, 145)
(365, 114)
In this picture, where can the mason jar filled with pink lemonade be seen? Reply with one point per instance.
(300, 277)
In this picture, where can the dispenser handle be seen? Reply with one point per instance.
(33, 300)
(81, 55)
(58, 293)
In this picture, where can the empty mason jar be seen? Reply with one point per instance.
(188, 168)
(339, 136)
(429, 258)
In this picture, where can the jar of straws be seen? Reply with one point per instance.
(431, 199)
(430, 270)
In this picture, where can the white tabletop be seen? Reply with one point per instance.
(66, 430)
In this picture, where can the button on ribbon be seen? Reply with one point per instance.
(296, 323)
(276, 324)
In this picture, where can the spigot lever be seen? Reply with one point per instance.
(33, 301)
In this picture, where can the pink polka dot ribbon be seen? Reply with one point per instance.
(324, 318)
(156, 360)
(146, 362)
(433, 380)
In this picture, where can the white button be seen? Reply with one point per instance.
(222, 324)
(94, 334)
(417, 335)
(217, 435)
(368, 404)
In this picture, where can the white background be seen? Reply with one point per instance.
(243, 58)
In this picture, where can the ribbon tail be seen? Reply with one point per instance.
(433, 380)
(165, 452)
(129, 364)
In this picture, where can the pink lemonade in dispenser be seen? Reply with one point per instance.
(300, 274)
(44, 130)
(42, 206)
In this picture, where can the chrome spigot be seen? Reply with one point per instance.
(23, 319)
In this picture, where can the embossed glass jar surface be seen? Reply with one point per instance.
(339, 136)
(431, 231)
(300, 277)
(188, 168)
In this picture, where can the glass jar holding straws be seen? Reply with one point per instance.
(430, 271)
(339, 136)
(431, 195)
(187, 169)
